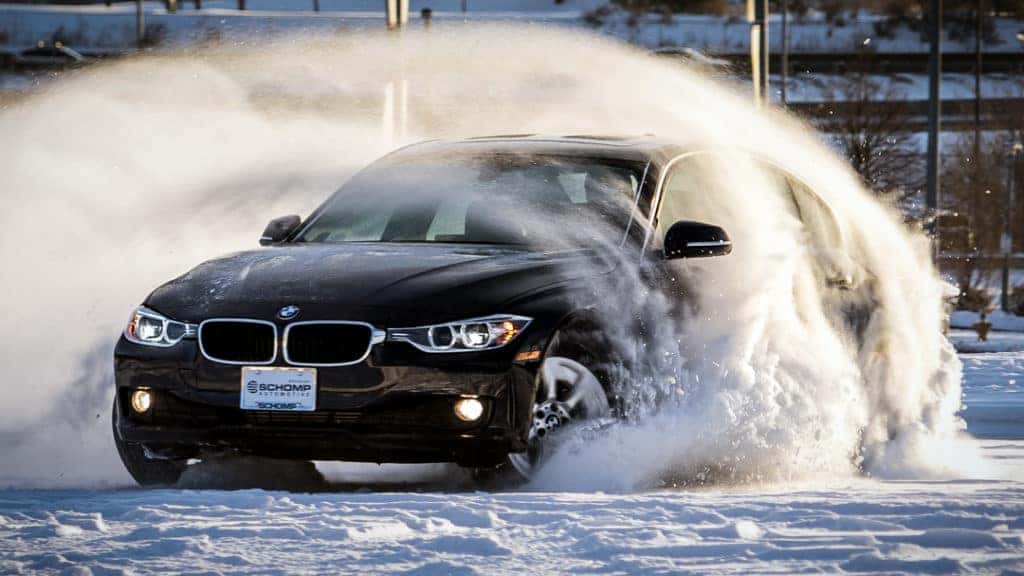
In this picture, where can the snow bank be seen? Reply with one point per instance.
(1000, 320)
(100, 28)
(967, 341)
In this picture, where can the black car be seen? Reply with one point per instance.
(437, 308)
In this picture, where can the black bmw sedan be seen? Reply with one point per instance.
(434, 309)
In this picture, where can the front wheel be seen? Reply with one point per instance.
(569, 394)
(574, 398)
(146, 471)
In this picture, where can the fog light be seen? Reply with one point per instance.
(469, 409)
(141, 400)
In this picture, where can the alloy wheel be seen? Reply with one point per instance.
(568, 394)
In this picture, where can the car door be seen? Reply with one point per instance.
(687, 186)
(845, 284)
(691, 180)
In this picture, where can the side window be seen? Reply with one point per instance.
(808, 208)
(824, 235)
(817, 217)
(780, 183)
(687, 182)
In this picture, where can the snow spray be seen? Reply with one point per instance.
(128, 173)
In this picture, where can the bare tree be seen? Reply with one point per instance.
(971, 192)
(981, 182)
(868, 117)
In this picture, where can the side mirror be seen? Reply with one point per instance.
(279, 229)
(687, 239)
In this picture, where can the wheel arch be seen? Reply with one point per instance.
(602, 358)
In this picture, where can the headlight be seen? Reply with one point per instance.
(153, 329)
(463, 336)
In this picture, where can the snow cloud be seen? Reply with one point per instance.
(127, 174)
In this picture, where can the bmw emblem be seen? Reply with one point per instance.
(288, 312)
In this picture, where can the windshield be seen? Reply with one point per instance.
(497, 199)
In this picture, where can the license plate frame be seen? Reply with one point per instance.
(278, 389)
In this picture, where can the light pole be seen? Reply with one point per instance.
(978, 63)
(757, 15)
(1006, 242)
(934, 105)
(785, 51)
(140, 24)
(397, 12)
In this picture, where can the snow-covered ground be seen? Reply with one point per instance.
(966, 340)
(373, 523)
(855, 526)
(993, 383)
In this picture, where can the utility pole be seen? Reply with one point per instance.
(397, 13)
(976, 176)
(934, 110)
(316, 5)
(757, 15)
(785, 50)
(1006, 242)
(140, 24)
(395, 112)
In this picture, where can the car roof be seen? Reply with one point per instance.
(642, 148)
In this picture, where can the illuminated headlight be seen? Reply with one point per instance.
(153, 329)
(463, 336)
(476, 335)
(469, 409)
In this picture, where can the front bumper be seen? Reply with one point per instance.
(369, 412)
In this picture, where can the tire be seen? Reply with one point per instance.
(585, 342)
(578, 346)
(145, 471)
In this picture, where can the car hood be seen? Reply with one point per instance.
(396, 284)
